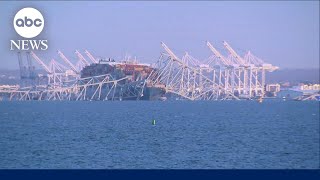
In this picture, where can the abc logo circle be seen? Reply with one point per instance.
(28, 22)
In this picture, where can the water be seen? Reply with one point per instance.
(229, 134)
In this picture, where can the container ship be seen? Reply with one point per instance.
(134, 72)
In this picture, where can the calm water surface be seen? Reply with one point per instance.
(228, 134)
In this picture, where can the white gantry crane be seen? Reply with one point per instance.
(239, 59)
(90, 56)
(54, 66)
(220, 78)
(82, 58)
(244, 87)
(56, 72)
(185, 77)
(224, 60)
(66, 60)
(42, 64)
(226, 69)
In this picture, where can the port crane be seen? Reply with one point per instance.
(21, 67)
(225, 61)
(227, 69)
(80, 65)
(27, 73)
(55, 66)
(86, 63)
(66, 60)
(184, 79)
(243, 88)
(42, 64)
(31, 69)
(239, 59)
(56, 72)
(90, 56)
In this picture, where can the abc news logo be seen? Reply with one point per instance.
(28, 23)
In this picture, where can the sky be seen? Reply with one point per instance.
(284, 33)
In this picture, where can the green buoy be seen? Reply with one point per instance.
(153, 122)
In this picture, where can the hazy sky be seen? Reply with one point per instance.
(285, 34)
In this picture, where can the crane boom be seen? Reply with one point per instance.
(218, 54)
(233, 53)
(62, 67)
(66, 60)
(169, 51)
(179, 61)
(90, 56)
(44, 66)
(82, 58)
(175, 58)
(56, 66)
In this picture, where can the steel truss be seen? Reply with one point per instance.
(103, 87)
